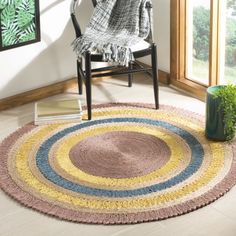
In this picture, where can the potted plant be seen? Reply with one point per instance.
(221, 112)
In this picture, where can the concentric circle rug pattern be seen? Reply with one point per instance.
(130, 164)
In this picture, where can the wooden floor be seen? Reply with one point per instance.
(218, 218)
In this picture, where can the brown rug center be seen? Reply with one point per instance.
(120, 154)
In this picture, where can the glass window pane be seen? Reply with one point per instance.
(198, 40)
(228, 42)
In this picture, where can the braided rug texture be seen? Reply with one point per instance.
(131, 164)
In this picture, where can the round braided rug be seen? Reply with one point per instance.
(130, 164)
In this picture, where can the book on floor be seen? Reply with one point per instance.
(58, 111)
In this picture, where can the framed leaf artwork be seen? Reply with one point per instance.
(19, 23)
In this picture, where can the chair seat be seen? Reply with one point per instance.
(137, 47)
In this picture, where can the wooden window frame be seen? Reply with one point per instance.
(179, 46)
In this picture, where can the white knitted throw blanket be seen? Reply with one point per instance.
(115, 26)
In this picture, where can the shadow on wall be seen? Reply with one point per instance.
(54, 64)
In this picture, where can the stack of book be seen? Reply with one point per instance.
(58, 112)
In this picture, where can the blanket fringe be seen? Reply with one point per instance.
(110, 52)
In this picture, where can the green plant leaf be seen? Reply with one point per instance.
(2, 6)
(28, 6)
(227, 97)
(24, 18)
(28, 34)
(8, 15)
(27, 37)
(7, 2)
(17, 3)
(10, 35)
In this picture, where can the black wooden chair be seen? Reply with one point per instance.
(86, 75)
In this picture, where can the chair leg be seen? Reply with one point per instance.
(155, 75)
(130, 76)
(80, 79)
(88, 84)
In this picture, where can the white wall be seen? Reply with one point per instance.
(161, 18)
(52, 59)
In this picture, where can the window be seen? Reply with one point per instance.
(198, 40)
(203, 47)
(228, 41)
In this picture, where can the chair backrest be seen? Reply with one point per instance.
(77, 28)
